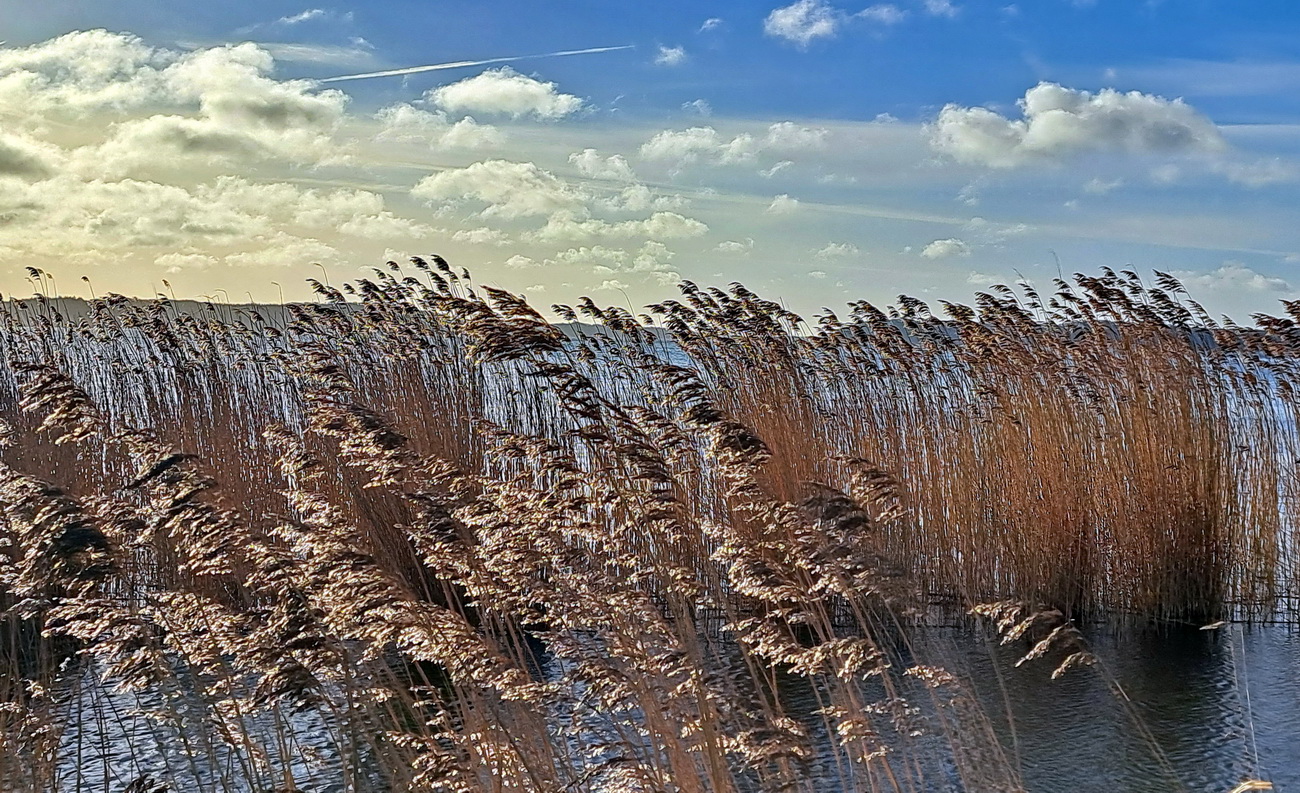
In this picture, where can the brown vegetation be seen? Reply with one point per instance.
(470, 549)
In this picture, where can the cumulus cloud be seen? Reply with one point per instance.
(783, 205)
(789, 136)
(405, 122)
(837, 250)
(1232, 275)
(164, 109)
(506, 92)
(659, 226)
(652, 259)
(640, 198)
(690, 145)
(233, 220)
(181, 261)
(736, 246)
(1059, 122)
(81, 72)
(25, 158)
(482, 236)
(708, 145)
(802, 22)
(946, 249)
(510, 189)
(670, 56)
(591, 164)
(521, 190)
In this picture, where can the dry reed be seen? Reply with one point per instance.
(418, 537)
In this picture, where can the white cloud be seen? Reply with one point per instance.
(284, 250)
(180, 262)
(1059, 122)
(160, 111)
(504, 91)
(404, 122)
(885, 14)
(705, 143)
(227, 89)
(992, 233)
(690, 145)
(1098, 186)
(1259, 173)
(802, 22)
(699, 106)
(736, 246)
(1232, 276)
(789, 136)
(482, 236)
(768, 173)
(837, 250)
(22, 157)
(520, 262)
(712, 23)
(358, 55)
(591, 164)
(221, 218)
(783, 205)
(1167, 173)
(818, 274)
(946, 249)
(670, 56)
(651, 260)
(639, 198)
(305, 16)
(941, 8)
(664, 225)
(510, 189)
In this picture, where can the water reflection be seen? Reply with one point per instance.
(1164, 710)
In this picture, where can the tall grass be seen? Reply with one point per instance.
(426, 539)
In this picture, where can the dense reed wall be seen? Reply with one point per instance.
(478, 550)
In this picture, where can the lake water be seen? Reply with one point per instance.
(1164, 711)
(1186, 710)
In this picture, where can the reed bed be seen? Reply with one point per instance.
(417, 536)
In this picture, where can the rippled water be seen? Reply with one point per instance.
(1183, 710)
(1170, 710)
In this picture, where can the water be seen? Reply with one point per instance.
(1164, 711)
(1186, 710)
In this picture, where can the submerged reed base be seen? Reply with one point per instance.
(426, 539)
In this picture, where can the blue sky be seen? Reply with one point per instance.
(815, 150)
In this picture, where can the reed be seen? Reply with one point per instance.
(419, 537)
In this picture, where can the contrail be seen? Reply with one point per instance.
(437, 67)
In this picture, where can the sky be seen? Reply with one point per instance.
(818, 151)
